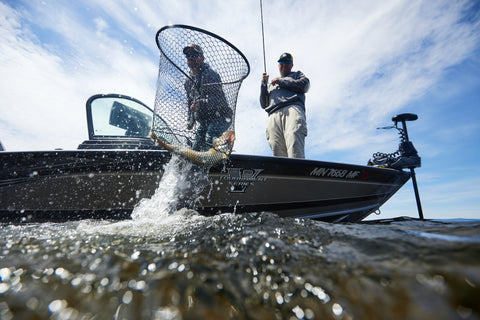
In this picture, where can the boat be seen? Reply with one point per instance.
(119, 164)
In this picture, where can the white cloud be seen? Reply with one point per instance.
(43, 98)
(452, 199)
(365, 60)
(383, 58)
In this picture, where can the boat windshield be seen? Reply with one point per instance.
(117, 115)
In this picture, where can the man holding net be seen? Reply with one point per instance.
(208, 108)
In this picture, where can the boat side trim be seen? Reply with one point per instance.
(278, 207)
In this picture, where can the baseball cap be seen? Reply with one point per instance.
(285, 57)
(193, 47)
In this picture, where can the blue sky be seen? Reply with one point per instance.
(366, 60)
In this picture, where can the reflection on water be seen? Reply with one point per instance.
(252, 266)
(176, 264)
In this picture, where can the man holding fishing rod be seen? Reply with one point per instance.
(284, 101)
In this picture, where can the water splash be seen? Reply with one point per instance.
(170, 210)
(180, 187)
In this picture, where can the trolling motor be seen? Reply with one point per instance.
(406, 157)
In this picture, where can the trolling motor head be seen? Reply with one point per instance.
(406, 156)
(404, 117)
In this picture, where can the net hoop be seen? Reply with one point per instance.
(213, 87)
(183, 26)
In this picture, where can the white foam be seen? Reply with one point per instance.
(180, 186)
(167, 211)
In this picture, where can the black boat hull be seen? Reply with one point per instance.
(107, 184)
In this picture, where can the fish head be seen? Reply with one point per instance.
(225, 142)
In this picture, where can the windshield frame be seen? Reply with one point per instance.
(141, 107)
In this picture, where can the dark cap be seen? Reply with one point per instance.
(193, 47)
(285, 57)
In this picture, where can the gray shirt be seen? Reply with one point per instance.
(290, 90)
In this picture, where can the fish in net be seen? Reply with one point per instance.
(199, 77)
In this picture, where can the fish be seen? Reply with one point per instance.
(220, 151)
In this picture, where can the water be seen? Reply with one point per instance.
(172, 263)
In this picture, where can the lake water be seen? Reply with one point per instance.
(176, 264)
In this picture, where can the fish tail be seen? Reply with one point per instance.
(160, 142)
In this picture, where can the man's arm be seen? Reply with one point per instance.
(264, 91)
(191, 114)
(213, 98)
(263, 96)
(295, 82)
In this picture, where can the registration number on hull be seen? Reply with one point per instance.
(335, 173)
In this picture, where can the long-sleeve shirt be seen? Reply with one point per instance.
(290, 89)
(206, 88)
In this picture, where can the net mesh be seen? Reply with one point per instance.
(196, 97)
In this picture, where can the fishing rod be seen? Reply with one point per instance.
(264, 60)
(263, 39)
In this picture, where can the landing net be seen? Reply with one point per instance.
(213, 89)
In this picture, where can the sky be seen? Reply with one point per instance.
(366, 60)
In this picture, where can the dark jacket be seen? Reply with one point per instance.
(290, 90)
(206, 87)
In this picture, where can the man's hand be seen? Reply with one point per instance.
(275, 81)
(265, 78)
(195, 106)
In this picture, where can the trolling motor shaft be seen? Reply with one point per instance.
(410, 153)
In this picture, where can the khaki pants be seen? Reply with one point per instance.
(286, 132)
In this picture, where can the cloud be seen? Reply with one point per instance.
(365, 60)
(393, 53)
(439, 198)
(43, 97)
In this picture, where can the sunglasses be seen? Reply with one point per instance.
(194, 55)
(284, 62)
